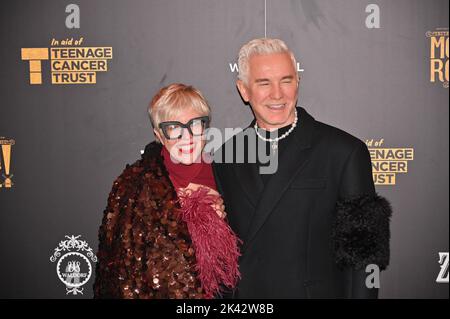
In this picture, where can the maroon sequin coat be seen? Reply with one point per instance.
(145, 250)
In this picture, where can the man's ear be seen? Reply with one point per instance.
(158, 136)
(243, 90)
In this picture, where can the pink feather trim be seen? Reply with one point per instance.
(215, 244)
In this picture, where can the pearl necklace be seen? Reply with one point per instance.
(274, 141)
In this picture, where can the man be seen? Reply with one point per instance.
(310, 229)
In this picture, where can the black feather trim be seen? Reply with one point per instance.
(361, 232)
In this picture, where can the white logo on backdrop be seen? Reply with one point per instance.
(74, 268)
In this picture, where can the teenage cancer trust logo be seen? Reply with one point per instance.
(74, 267)
(71, 63)
(388, 162)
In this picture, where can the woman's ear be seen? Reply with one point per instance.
(158, 137)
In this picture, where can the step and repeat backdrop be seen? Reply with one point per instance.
(76, 79)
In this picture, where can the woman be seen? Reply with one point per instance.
(163, 234)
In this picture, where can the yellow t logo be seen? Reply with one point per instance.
(35, 55)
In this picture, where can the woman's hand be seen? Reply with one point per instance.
(218, 206)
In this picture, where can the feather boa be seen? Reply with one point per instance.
(215, 244)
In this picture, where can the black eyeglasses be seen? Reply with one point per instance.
(173, 130)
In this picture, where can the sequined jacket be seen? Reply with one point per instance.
(145, 251)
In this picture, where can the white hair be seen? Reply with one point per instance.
(174, 99)
(259, 47)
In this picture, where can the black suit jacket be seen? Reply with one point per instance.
(310, 231)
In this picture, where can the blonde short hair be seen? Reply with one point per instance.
(259, 47)
(173, 100)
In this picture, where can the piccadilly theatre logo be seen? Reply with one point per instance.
(70, 62)
(439, 53)
(388, 162)
(5, 162)
(74, 267)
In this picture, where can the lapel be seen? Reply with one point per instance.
(249, 179)
(248, 176)
(290, 163)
